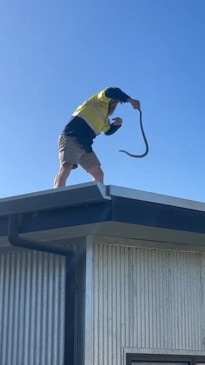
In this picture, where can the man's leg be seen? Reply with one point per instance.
(62, 175)
(97, 173)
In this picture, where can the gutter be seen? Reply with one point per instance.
(17, 241)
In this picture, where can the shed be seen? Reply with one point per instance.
(101, 275)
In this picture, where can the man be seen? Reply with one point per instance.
(90, 119)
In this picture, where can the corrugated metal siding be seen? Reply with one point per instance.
(146, 298)
(32, 301)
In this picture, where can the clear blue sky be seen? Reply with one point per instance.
(55, 54)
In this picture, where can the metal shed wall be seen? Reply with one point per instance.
(144, 298)
(32, 308)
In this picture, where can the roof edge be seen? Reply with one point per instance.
(54, 198)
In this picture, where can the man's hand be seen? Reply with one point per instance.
(117, 121)
(134, 103)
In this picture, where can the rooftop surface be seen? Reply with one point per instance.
(56, 215)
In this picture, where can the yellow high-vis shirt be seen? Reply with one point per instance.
(95, 112)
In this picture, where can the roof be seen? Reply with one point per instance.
(59, 215)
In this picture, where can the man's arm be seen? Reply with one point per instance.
(117, 94)
(113, 129)
(114, 126)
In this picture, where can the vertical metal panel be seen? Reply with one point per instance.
(146, 298)
(32, 301)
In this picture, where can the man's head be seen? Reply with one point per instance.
(112, 105)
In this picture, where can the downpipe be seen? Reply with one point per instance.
(17, 241)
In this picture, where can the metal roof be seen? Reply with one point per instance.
(59, 215)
